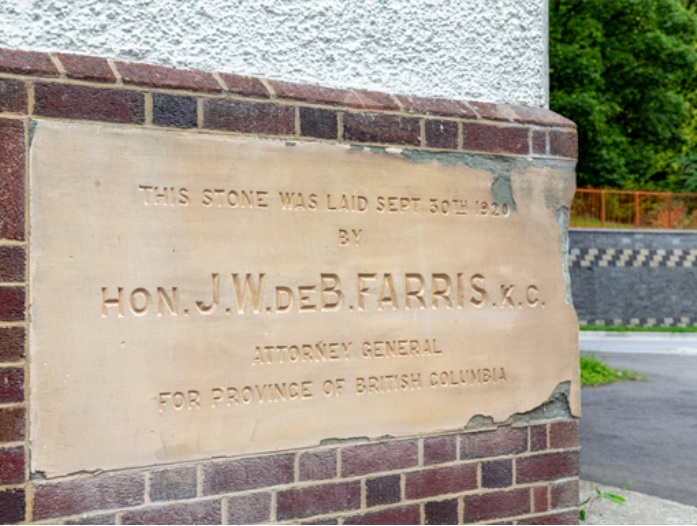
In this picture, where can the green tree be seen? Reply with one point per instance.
(625, 71)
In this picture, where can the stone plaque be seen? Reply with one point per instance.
(202, 295)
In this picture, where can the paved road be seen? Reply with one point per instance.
(643, 432)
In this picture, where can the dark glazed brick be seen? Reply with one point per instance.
(563, 434)
(316, 500)
(11, 465)
(431, 106)
(173, 484)
(12, 506)
(386, 456)
(248, 117)
(441, 481)
(547, 466)
(315, 122)
(321, 522)
(240, 475)
(11, 303)
(248, 86)
(497, 473)
(249, 509)
(539, 142)
(86, 68)
(11, 179)
(538, 437)
(82, 102)
(94, 519)
(100, 492)
(11, 385)
(504, 441)
(563, 144)
(565, 494)
(383, 490)
(495, 139)
(441, 134)
(27, 62)
(12, 424)
(540, 499)
(12, 260)
(11, 344)
(441, 512)
(172, 110)
(567, 517)
(164, 77)
(312, 93)
(403, 515)
(388, 129)
(440, 449)
(13, 96)
(317, 465)
(190, 513)
(499, 505)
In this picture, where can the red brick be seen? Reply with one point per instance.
(317, 465)
(495, 139)
(503, 441)
(173, 484)
(441, 512)
(83, 102)
(13, 96)
(12, 506)
(86, 67)
(11, 384)
(11, 344)
(538, 437)
(383, 490)
(11, 303)
(248, 117)
(441, 481)
(432, 106)
(547, 466)
(312, 93)
(207, 512)
(241, 475)
(567, 517)
(493, 112)
(165, 77)
(498, 505)
(440, 449)
(12, 424)
(248, 86)
(12, 261)
(563, 434)
(12, 465)
(249, 509)
(565, 494)
(540, 499)
(319, 123)
(12, 155)
(563, 144)
(316, 500)
(497, 473)
(441, 134)
(403, 515)
(385, 456)
(99, 492)
(539, 142)
(388, 129)
(372, 100)
(541, 116)
(27, 62)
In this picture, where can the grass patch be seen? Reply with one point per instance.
(595, 372)
(625, 328)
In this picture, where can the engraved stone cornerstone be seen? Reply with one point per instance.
(200, 295)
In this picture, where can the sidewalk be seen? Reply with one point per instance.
(638, 508)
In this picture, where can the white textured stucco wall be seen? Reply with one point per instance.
(493, 50)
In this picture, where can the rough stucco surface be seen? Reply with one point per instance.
(492, 50)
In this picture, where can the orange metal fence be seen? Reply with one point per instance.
(628, 209)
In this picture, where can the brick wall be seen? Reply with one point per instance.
(525, 474)
(640, 278)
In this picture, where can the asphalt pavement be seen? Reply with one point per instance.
(643, 435)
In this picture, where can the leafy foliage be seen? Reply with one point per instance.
(594, 373)
(626, 72)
